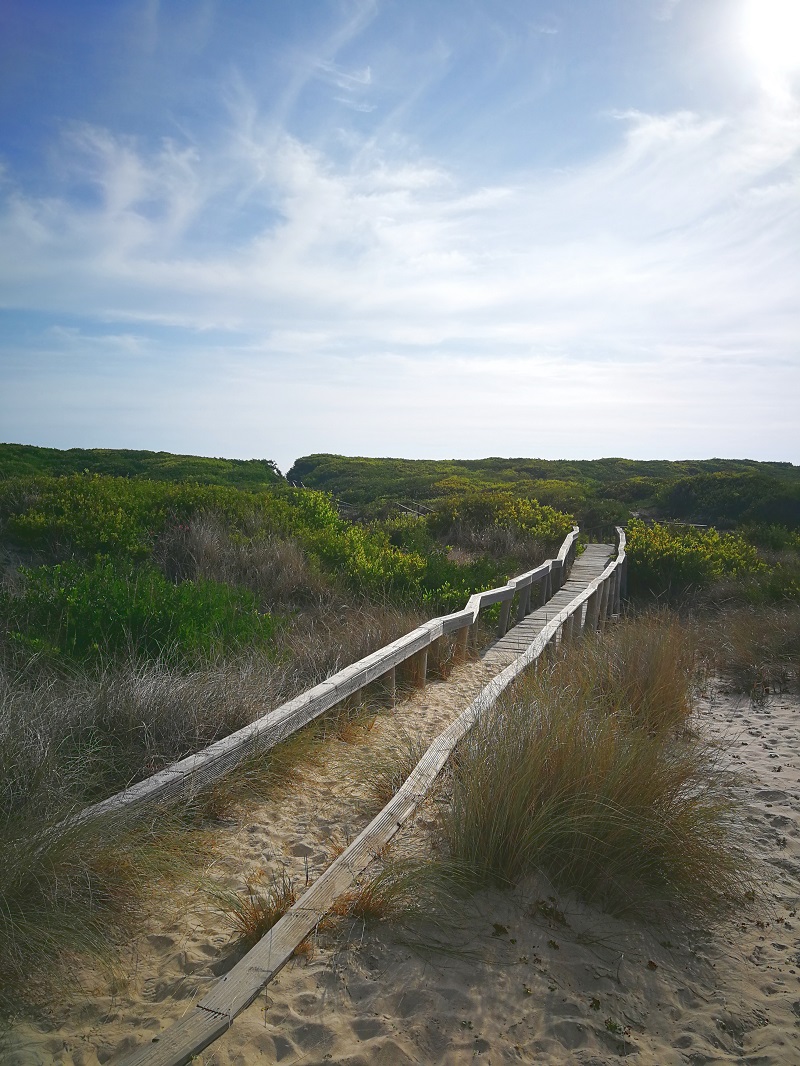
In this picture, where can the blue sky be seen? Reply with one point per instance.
(427, 228)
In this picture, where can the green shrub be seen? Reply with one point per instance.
(115, 517)
(108, 609)
(772, 537)
(480, 510)
(674, 560)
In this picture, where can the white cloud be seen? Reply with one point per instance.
(344, 79)
(663, 10)
(382, 280)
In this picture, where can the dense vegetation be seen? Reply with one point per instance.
(151, 603)
(721, 492)
(124, 589)
(24, 459)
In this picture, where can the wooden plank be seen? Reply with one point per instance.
(213, 1014)
(269, 730)
(237, 989)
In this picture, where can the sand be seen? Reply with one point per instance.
(531, 977)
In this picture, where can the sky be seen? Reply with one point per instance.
(419, 228)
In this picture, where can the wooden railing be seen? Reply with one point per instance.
(414, 648)
(214, 1013)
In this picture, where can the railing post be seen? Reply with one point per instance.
(592, 610)
(391, 684)
(435, 659)
(524, 603)
(624, 589)
(613, 607)
(419, 668)
(604, 590)
(462, 643)
(505, 613)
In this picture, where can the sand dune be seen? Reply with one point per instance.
(528, 977)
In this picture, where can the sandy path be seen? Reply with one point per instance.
(528, 987)
(520, 983)
(298, 830)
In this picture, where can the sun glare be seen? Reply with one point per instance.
(771, 30)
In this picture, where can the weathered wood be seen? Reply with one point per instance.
(390, 680)
(524, 606)
(505, 614)
(239, 987)
(438, 659)
(584, 580)
(215, 761)
(419, 668)
(604, 591)
(462, 644)
(592, 610)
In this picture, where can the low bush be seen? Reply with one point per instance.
(673, 561)
(566, 778)
(108, 609)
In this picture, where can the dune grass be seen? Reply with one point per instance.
(587, 772)
(756, 648)
(253, 911)
(71, 891)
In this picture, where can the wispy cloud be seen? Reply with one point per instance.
(344, 79)
(374, 274)
(684, 212)
(664, 10)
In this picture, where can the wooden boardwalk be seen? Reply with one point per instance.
(588, 566)
(589, 595)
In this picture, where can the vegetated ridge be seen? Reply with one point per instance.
(26, 459)
(142, 617)
(723, 492)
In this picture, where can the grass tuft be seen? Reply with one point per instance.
(757, 648)
(253, 911)
(384, 768)
(390, 895)
(586, 772)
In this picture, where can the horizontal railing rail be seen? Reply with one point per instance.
(215, 1012)
(213, 762)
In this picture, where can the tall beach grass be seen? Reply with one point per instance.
(587, 772)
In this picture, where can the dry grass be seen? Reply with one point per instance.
(87, 736)
(645, 667)
(393, 894)
(252, 911)
(586, 772)
(382, 769)
(68, 740)
(468, 543)
(70, 890)
(758, 648)
(277, 570)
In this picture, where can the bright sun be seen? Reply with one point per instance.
(771, 30)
